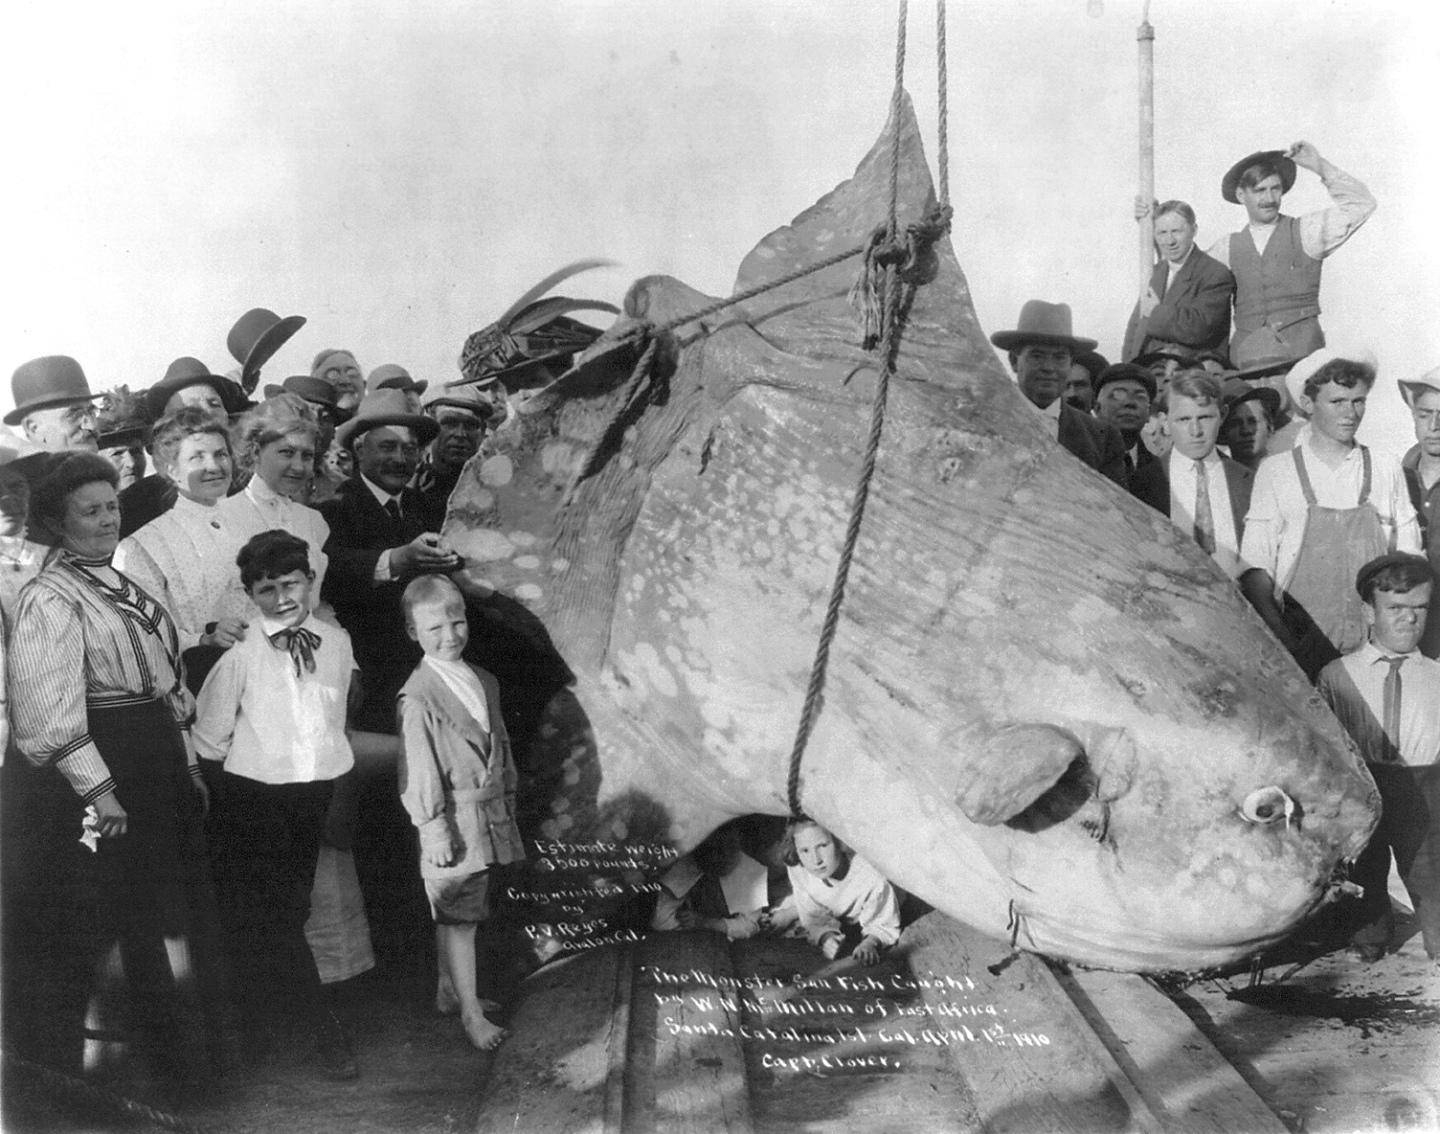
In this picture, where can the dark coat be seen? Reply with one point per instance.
(360, 530)
(1094, 442)
(1193, 312)
(1148, 481)
(1152, 485)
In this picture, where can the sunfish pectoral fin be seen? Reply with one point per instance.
(1014, 768)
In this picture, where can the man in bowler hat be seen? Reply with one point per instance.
(54, 407)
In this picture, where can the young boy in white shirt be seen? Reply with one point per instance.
(273, 713)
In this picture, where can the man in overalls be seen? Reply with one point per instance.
(1319, 512)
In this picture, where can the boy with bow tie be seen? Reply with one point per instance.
(273, 714)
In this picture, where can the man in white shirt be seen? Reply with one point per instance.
(1277, 259)
(1318, 512)
(1205, 494)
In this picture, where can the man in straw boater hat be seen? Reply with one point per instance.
(1277, 259)
(1421, 466)
(1321, 510)
(54, 408)
(255, 338)
(1041, 349)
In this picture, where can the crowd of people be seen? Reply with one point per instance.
(1246, 440)
(214, 606)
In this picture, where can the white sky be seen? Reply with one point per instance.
(400, 170)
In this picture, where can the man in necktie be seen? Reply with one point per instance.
(1124, 393)
(1204, 493)
(1387, 695)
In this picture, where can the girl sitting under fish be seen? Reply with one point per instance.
(839, 895)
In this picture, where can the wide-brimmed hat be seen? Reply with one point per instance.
(122, 422)
(387, 407)
(1236, 390)
(1302, 371)
(1126, 372)
(317, 391)
(389, 376)
(42, 383)
(1412, 388)
(186, 371)
(1046, 323)
(255, 338)
(470, 398)
(1231, 180)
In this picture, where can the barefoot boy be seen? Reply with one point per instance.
(1387, 695)
(457, 781)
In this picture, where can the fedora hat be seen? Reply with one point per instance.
(187, 371)
(1303, 370)
(1045, 323)
(1237, 390)
(1412, 388)
(389, 376)
(1231, 181)
(1150, 357)
(41, 383)
(255, 338)
(386, 407)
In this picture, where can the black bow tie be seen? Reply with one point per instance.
(301, 644)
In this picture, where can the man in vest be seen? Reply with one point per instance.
(1277, 259)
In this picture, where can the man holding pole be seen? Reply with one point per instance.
(1277, 259)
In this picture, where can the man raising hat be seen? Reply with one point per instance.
(54, 407)
(1041, 349)
(1277, 259)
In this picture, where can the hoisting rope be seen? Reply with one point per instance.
(882, 294)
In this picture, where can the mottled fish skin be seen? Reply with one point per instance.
(1020, 640)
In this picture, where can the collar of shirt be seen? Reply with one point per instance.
(1179, 460)
(1371, 654)
(1175, 269)
(184, 506)
(1052, 411)
(376, 491)
(266, 496)
(270, 627)
(1305, 440)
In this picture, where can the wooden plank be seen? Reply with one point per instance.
(686, 1068)
(1175, 1069)
(1039, 1067)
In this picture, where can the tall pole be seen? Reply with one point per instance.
(1145, 34)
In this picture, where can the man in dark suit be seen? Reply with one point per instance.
(379, 542)
(1041, 349)
(1187, 305)
(1205, 494)
(1124, 394)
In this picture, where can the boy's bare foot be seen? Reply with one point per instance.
(481, 1032)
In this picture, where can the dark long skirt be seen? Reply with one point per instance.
(148, 891)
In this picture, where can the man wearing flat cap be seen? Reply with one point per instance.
(54, 407)
(1124, 394)
(1277, 259)
(462, 414)
(1041, 349)
(1421, 466)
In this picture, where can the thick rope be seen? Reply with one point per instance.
(943, 100)
(888, 348)
(61, 1083)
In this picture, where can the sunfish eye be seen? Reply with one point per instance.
(1266, 805)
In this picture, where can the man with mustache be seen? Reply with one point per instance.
(1277, 259)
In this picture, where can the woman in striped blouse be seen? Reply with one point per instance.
(111, 843)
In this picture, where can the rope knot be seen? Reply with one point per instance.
(905, 254)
